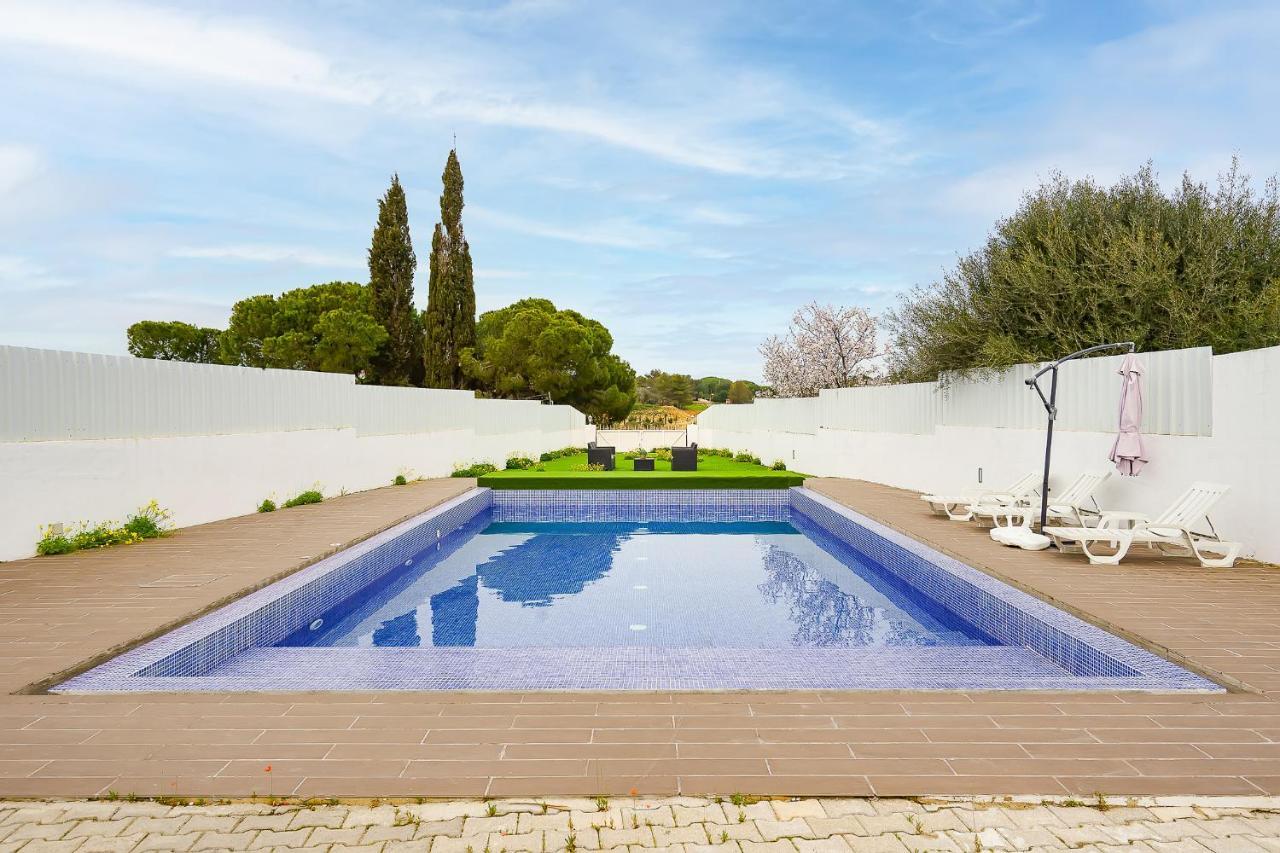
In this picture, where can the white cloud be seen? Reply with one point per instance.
(230, 51)
(21, 275)
(710, 126)
(712, 215)
(613, 233)
(18, 165)
(270, 255)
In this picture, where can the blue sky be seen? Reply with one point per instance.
(687, 173)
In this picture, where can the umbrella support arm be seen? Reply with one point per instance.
(1051, 409)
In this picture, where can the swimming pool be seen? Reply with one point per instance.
(641, 590)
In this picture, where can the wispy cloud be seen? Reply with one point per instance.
(228, 50)
(613, 233)
(270, 255)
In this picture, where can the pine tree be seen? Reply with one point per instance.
(450, 318)
(391, 267)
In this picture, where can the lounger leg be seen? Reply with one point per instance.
(1230, 552)
(954, 513)
(1123, 543)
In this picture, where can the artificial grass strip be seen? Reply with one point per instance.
(715, 472)
(638, 480)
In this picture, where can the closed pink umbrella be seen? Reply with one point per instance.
(1128, 451)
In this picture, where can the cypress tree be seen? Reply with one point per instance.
(391, 267)
(450, 318)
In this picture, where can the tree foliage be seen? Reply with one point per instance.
(740, 392)
(173, 341)
(713, 388)
(1080, 264)
(450, 318)
(328, 327)
(391, 267)
(665, 389)
(530, 349)
(826, 347)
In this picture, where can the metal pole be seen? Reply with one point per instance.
(1051, 407)
(1048, 448)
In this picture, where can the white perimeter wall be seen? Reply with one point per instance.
(1237, 403)
(92, 438)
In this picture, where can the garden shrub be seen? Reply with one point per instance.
(519, 463)
(585, 467)
(477, 469)
(747, 457)
(663, 453)
(561, 453)
(778, 465)
(399, 480)
(267, 505)
(310, 496)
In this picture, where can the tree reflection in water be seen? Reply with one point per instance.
(825, 615)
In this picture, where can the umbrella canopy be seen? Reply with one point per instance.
(1128, 451)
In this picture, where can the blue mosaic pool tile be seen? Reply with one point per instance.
(641, 505)
(230, 649)
(266, 616)
(1010, 615)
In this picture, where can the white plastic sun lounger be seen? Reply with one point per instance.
(1169, 533)
(956, 507)
(1075, 507)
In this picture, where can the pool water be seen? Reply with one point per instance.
(765, 585)
(636, 590)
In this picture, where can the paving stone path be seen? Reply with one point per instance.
(689, 824)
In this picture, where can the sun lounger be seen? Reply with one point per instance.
(1169, 533)
(956, 507)
(1074, 507)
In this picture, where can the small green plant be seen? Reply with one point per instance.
(571, 842)
(477, 469)
(917, 825)
(310, 496)
(267, 505)
(778, 465)
(602, 804)
(400, 480)
(147, 522)
(742, 816)
(561, 453)
(519, 463)
(747, 457)
(662, 453)
(1101, 803)
(491, 810)
(54, 543)
(738, 799)
(724, 836)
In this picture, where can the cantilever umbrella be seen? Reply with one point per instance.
(1128, 452)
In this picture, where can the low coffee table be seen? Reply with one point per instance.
(642, 464)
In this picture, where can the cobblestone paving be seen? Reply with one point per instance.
(678, 824)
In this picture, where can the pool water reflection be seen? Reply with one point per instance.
(672, 585)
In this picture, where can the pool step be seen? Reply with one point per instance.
(643, 668)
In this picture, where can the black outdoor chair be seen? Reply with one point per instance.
(600, 456)
(685, 458)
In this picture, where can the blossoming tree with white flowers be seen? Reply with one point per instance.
(827, 346)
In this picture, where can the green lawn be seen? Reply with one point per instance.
(714, 472)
